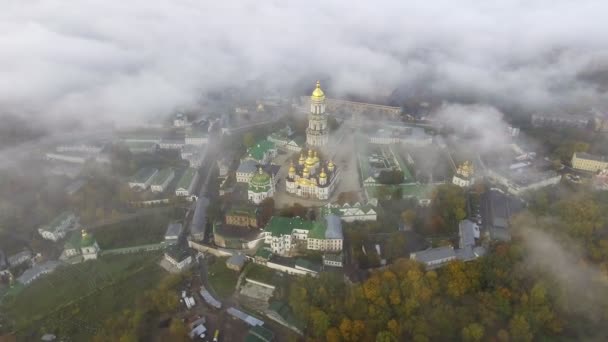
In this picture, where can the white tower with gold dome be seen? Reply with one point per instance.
(317, 133)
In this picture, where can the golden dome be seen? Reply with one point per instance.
(292, 168)
(331, 165)
(302, 159)
(305, 172)
(315, 157)
(310, 161)
(323, 174)
(318, 94)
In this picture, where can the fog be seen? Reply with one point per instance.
(123, 61)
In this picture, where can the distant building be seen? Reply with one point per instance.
(198, 225)
(236, 262)
(20, 258)
(333, 259)
(283, 234)
(196, 137)
(83, 244)
(354, 212)
(414, 136)
(435, 257)
(518, 181)
(174, 230)
(37, 271)
(171, 144)
(242, 217)
(57, 229)
(588, 162)
(246, 170)
(143, 178)
(261, 186)
(162, 179)
(464, 175)
(186, 186)
(262, 152)
(179, 257)
(193, 154)
(180, 120)
(561, 120)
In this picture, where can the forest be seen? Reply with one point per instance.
(504, 296)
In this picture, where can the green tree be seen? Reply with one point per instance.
(473, 332)
(320, 322)
(519, 329)
(248, 139)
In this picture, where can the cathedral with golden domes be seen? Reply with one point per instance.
(311, 177)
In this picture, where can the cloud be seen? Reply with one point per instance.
(126, 60)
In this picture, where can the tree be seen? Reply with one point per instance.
(408, 217)
(248, 139)
(519, 329)
(320, 322)
(333, 335)
(473, 332)
(178, 330)
(385, 336)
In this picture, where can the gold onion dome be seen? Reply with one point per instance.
(323, 174)
(331, 165)
(318, 94)
(302, 159)
(315, 157)
(292, 168)
(310, 161)
(305, 172)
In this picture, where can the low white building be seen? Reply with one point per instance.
(20, 258)
(83, 244)
(196, 137)
(143, 178)
(178, 257)
(193, 154)
(38, 271)
(186, 186)
(171, 144)
(354, 212)
(435, 257)
(333, 259)
(521, 180)
(162, 179)
(57, 228)
(246, 170)
(283, 234)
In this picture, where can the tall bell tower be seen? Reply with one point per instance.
(317, 133)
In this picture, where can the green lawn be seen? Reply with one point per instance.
(75, 300)
(142, 230)
(260, 273)
(222, 279)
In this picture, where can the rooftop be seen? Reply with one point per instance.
(177, 252)
(247, 166)
(279, 225)
(186, 179)
(330, 227)
(466, 230)
(30, 274)
(583, 155)
(143, 174)
(162, 176)
(434, 254)
(174, 229)
(308, 265)
(259, 149)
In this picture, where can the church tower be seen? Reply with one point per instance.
(317, 133)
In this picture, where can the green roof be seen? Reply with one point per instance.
(263, 253)
(143, 175)
(279, 225)
(308, 265)
(73, 242)
(162, 176)
(186, 179)
(259, 149)
(318, 230)
(284, 311)
(59, 219)
(87, 240)
(249, 211)
(260, 182)
(261, 333)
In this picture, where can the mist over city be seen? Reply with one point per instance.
(301, 171)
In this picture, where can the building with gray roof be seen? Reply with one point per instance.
(174, 230)
(143, 178)
(198, 226)
(37, 271)
(468, 231)
(435, 257)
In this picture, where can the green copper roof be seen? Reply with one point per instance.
(73, 242)
(87, 240)
(186, 179)
(279, 225)
(263, 253)
(260, 182)
(259, 149)
(318, 230)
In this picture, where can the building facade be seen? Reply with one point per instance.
(588, 162)
(464, 175)
(57, 229)
(261, 186)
